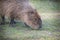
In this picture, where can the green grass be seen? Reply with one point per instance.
(50, 30)
(50, 26)
(45, 5)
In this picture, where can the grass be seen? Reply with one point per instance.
(50, 29)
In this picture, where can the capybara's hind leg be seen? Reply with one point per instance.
(12, 21)
(3, 20)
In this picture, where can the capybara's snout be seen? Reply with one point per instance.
(37, 24)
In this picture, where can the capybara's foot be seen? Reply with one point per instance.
(12, 22)
(3, 20)
(2, 23)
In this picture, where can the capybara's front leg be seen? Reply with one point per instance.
(3, 20)
(12, 21)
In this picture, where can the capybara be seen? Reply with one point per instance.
(21, 10)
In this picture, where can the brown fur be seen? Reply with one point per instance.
(20, 9)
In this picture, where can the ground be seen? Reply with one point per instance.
(50, 28)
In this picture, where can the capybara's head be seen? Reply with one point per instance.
(32, 19)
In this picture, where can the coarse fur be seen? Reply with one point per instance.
(22, 10)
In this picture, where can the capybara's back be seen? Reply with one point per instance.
(22, 10)
(10, 7)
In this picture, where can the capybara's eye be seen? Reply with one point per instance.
(31, 12)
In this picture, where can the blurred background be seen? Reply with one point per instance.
(49, 10)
